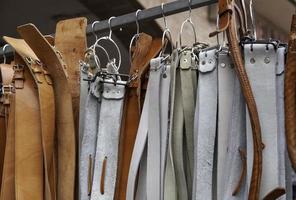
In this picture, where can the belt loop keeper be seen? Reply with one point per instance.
(19, 76)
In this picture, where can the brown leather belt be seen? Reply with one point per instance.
(70, 41)
(227, 23)
(290, 95)
(146, 48)
(6, 130)
(64, 113)
(47, 110)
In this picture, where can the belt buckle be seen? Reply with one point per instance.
(7, 89)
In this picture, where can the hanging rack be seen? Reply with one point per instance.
(171, 8)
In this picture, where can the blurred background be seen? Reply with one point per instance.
(273, 18)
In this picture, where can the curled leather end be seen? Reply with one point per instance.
(214, 33)
(275, 194)
(243, 172)
(102, 187)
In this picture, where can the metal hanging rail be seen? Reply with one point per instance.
(145, 15)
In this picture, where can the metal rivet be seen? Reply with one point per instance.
(185, 60)
(210, 61)
(203, 62)
(267, 60)
(252, 60)
(223, 65)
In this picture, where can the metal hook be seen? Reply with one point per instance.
(163, 16)
(4, 56)
(110, 28)
(135, 37)
(188, 20)
(189, 5)
(218, 40)
(252, 13)
(92, 29)
(137, 21)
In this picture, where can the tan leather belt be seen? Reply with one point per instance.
(47, 110)
(290, 95)
(6, 126)
(64, 115)
(145, 49)
(70, 41)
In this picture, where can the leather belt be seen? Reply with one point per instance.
(170, 188)
(154, 132)
(89, 139)
(47, 110)
(28, 153)
(290, 95)
(146, 48)
(64, 116)
(227, 23)
(235, 186)
(226, 79)
(261, 69)
(7, 134)
(205, 125)
(6, 76)
(284, 162)
(138, 152)
(106, 160)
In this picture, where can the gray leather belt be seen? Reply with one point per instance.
(226, 77)
(236, 142)
(260, 62)
(150, 159)
(108, 141)
(170, 188)
(138, 151)
(205, 125)
(285, 165)
(89, 139)
(154, 132)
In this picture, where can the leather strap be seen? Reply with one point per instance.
(261, 69)
(70, 41)
(226, 79)
(235, 186)
(146, 48)
(64, 116)
(177, 135)
(29, 166)
(106, 160)
(188, 87)
(205, 125)
(47, 110)
(8, 175)
(170, 188)
(6, 76)
(7, 103)
(138, 151)
(89, 139)
(284, 163)
(154, 132)
(227, 23)
(290, 95)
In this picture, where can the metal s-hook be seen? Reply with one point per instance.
(163, 16)
(136, 36)
(4, 56)
(189, 5)
(137, 21)
(188, 20)
(252, 14)
(166, 33)
(92, 29)
(110, 27)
